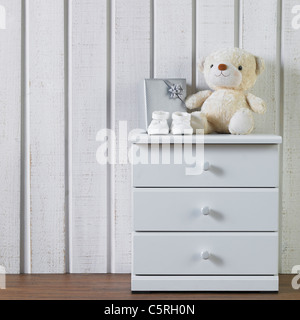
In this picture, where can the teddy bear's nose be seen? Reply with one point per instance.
(222, 67)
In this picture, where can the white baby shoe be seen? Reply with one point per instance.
(159, 124)
(181, 123)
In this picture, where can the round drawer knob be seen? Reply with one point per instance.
(206, 166)
(205, 211)
(205, 255)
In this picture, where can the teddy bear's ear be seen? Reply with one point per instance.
(201, 64)
(260, 65)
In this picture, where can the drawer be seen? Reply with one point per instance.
(229, 253)
(181, 209)
(229, 166)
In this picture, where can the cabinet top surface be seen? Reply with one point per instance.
(208, 139)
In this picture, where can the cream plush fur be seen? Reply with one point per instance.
(230, 73)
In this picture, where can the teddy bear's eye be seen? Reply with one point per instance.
(240, 68)
(211, 66)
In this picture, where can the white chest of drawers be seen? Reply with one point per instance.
(217, 231)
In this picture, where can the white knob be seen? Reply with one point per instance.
(205, 211)
(206, 166)
(205, 255)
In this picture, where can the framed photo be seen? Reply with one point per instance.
(164, 95)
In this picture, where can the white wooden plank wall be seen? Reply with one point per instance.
(291, 147)
(131, 29)
(10, 137)
(173, 40)
(88, 212)
(85, 62)
(215, 22)
(262, 39)
(47, 135)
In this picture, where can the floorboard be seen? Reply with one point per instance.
(116, 287)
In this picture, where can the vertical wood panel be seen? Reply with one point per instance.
(215, 29)
(261, 40)
(131, 64)
(10, 126)
(89, 205)
(291, 143)
(173, 40)
(25, 248)
(47, 121)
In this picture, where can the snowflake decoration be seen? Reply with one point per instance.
(176, 91)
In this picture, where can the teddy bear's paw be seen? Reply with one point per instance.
(262, 108)
(242, 122)
(256, 104)
(191, 102)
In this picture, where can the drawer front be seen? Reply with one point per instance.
(228, 253)
(229, 166)
(189, 209)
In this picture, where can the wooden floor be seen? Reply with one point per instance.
(116, 287)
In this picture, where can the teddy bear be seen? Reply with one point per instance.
(229, 108)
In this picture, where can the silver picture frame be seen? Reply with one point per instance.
(163, 95)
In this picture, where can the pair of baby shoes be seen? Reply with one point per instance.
(181, 123)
